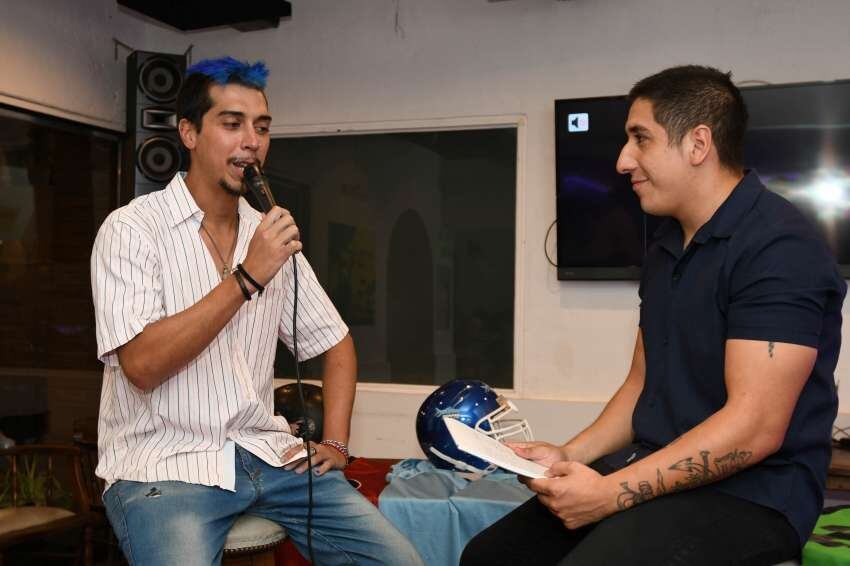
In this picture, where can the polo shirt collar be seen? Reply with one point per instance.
(727, 217)
(722, 223)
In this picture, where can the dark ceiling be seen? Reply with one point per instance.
(190, 15)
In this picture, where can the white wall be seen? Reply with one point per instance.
(360, 61)
(58, 56)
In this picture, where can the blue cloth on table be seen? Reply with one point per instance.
(440, 510)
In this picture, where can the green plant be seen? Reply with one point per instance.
(34, 486)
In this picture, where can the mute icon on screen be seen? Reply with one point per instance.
(579, 122)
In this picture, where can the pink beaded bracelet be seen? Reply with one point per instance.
(338, 446)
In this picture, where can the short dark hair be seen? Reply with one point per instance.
(684, 97)
(193, 100)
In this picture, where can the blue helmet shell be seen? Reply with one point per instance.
(467, 400)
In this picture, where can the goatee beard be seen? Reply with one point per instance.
(237, 192)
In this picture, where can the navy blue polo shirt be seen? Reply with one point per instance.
(756, 270)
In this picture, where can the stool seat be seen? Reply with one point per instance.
(250, 534)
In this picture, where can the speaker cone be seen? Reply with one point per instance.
(160, 79)
(158, 158)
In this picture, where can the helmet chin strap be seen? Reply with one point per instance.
(463, 466)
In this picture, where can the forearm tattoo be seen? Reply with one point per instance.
(696, 472)
(770, 346)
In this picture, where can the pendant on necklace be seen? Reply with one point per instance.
(225, 271)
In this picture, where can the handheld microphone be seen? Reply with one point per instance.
(258, 186)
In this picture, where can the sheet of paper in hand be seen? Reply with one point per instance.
(473, 442)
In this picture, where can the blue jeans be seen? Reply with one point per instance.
(172, 522)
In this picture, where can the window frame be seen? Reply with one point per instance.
(71, 122)
(60, 122)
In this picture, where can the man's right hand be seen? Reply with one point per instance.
(543, 453)
(276, 240)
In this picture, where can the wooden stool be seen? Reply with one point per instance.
(838, 477)
(251, 541)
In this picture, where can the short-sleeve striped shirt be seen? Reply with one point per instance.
(149, 262)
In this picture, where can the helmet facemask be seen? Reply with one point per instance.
(504, 428)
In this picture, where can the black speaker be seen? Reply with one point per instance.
(154, 152)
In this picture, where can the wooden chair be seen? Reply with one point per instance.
(85, 438)
(30, 484)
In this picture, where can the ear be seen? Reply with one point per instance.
(700, 144)
(188, 133)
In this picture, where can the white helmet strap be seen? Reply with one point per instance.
(460, 465)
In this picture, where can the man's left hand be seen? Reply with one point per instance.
(323, 458)
(576, 494)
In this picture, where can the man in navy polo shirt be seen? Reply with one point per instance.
(715, 448)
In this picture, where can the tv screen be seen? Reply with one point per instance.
(798, 141)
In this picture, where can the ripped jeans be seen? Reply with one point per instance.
(172, 522)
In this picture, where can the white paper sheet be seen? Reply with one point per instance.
(473, 442)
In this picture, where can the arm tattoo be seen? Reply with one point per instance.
(697, 472)
(770, 346)
(630, 498)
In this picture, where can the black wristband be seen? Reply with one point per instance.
(242, 285)
(257, 286)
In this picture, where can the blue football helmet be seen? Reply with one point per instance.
(475, 404)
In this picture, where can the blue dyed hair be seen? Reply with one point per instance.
(226, 70)
(193, 100)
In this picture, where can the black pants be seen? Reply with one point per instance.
(690, 528)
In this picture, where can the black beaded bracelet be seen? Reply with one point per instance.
(242, 285)
(251, 280)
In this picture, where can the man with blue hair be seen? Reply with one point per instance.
(192, 289)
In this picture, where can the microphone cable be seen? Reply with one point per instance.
(254, 177)
(308, 433)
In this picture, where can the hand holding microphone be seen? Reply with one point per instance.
(277, 237)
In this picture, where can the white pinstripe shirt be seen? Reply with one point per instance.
(149, 262)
